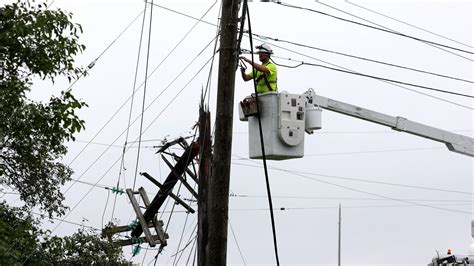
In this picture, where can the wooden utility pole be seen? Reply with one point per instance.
(218, 207)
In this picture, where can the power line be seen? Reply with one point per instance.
(208, 84)
(383, 79)
(361, 132)
(198, 20)
(357, 179)
(233, 195)
(437, 206)
(373, 151)
(186, 15)
(381, 196)
(70, 222)
(237, 243)
(144, 97)
(397, 85)
(95, 185)
(363, 58)
(406, 23)
(375, 28)
(151, 123)
(154, 100)
(92, 64)
(366, 20)
(122, 163)
(320, 154)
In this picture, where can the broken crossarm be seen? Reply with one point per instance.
(185, 183)
(173, 196)
(168, 185)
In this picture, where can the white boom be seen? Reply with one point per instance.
(455, 142)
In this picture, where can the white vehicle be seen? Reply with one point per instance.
(452, 260)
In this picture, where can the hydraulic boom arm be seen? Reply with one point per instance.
(455, 142)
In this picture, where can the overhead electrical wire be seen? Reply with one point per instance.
(92, 64)
(328, 198)
(397, 85)
(408, 24)
(373, 151)
(95, 185)
(208, 84)
(187, 215)
(181, 239)
(122, 163)
(198, 20)
(116, 161)
(391, 30)
(194, 247)
(381, 196)
(183, 14)
(381, 78)
(69, 222)
(151, 103)
(233, 195)
(144, 97)
(375, 28)
(359, 179)
(168, 223)
(237, 242)
(352, 207)
(364, 58)
(322, 154)
(267, 181)
(191, 239)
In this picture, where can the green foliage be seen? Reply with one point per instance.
(37, 42)
(83, 248)
(22, 241)
(17, 234)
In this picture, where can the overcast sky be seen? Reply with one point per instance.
(345, 156)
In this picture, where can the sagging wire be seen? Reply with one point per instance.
(381, 78)
(122, 163)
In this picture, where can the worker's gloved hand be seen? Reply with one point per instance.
(245, 59)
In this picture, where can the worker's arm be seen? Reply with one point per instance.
(245, 77)
(259, 67)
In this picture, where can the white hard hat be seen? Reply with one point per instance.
(264, 48)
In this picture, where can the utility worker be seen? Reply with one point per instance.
(266, 73)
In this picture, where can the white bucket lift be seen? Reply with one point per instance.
(283, 117)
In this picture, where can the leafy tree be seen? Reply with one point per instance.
(18, 235)
(21, 241)
(36, 42)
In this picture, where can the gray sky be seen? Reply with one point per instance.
(375, 230)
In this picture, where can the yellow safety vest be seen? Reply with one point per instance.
(271, 77)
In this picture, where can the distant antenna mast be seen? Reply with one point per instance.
(339, 239)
